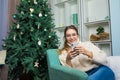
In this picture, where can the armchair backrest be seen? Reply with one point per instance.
(52, 57)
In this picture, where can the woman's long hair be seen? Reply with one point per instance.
(66, 46)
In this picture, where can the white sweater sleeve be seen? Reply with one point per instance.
(99, 56)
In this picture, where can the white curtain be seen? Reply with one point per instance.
(3, 20)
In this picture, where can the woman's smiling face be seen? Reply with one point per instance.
(71, 36)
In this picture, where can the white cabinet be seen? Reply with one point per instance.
(95, 13)
(65, 11)
(87, 16)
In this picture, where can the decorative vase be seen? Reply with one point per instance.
(75, 18)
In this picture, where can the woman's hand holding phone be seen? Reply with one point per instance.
(82, 50)
(73, 53)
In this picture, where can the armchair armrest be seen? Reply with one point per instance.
(59, 72)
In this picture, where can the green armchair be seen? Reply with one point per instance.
(59, 72)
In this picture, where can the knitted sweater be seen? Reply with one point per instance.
(83, 62)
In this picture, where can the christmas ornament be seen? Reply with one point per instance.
(45, 15)
(22, 12)
(35, 2)
(39, 42)
(40, 14)
(38, 25)
(21, 33)
(14, 16)
(32, 29)
(18, 26)
(36, 64)
(49, 36)
(31, 10)
(31, 15)
(45, 29)
(14, 38)
(29, 1)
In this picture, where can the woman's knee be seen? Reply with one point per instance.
(103, 73)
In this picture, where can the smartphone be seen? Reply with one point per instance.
(73, 46)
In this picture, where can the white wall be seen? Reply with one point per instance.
(115, 25)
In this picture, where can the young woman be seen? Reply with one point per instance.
(84, 56)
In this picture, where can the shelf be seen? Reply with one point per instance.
(61, 29)
(102, 42)
(64, 1)
(97, 23)
(59, 4)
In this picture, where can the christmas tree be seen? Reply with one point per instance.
(29, 37)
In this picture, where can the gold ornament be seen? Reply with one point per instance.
(31, 14)
(38, 25)
(45, 29)
(18, 26)
(36, 64)
(40, 14)
(32, 29)
(21, 33)
(31, 10)
(49, 36)
(29, 1)
(39, 42)
(14, 38)
(35, 2)
(45, 15)
(22, 12)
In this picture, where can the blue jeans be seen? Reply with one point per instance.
(101, 73)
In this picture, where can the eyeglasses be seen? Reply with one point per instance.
(69, 35)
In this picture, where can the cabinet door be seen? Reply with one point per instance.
(96, 23)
